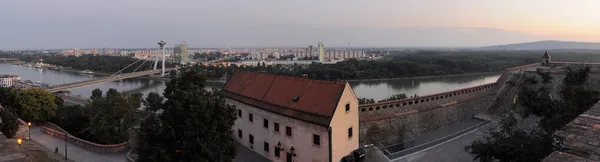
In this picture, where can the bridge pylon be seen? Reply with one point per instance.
(161, 46)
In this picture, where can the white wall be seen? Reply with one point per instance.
(301, 139)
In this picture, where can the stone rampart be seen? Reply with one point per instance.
(94, 147)
(393, 127)
(393, 121)
(376, 110)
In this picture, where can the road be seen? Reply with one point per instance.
(73, 152)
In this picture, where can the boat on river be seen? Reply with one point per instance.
(86, 72)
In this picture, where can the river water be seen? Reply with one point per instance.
(376, 89)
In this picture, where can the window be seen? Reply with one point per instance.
(347, 107)
(350, 132)
(251, 139)
(240, 133)
(276, 126)
(266, 147)
(240, 113)
(266, 123)
(276, 151)
(250, 117)
(316, 139)
(288, 131)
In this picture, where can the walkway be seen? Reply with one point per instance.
(74, 153)
(449, 151)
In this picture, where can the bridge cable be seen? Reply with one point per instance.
(125, 67)
(140, 66)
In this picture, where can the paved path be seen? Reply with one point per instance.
(74, 153)
(449, 151)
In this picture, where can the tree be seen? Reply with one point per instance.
(33, 104)
(5, 93)
(153, 102)
(9, 125)
(365, 101)
(512, 143)
(395, 97)
(194, 125)
(112, 115)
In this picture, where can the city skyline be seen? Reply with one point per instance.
(267, 23)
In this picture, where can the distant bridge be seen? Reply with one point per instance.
(118, 75)
(62, 87)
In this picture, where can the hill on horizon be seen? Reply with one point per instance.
(547, 45)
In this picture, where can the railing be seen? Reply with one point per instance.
(94, 147)
(434, 142)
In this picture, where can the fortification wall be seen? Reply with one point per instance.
(377, 110)
(409, 124)
(395, 120)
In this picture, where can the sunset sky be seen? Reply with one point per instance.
(260, 23)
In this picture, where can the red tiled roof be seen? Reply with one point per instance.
(317, 100)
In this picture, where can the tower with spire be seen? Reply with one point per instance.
(546, 59)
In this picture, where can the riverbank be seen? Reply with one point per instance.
(424, 77)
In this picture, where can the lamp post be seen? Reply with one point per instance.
(29, 130)
(292, 151)
(66, 146)
(19, 142)
(279, 146)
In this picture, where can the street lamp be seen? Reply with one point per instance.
(279, 146)
(292, 151)
(29, 130)
(66, 146)
(19, 142)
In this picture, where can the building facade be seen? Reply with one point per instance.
(289, 119)
(8, 80)
(181, 53)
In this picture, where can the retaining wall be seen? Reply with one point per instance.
(94, 147)
(394, 127)
(394, 121)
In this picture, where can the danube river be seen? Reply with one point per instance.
(376, 89)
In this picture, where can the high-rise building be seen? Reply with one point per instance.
(180, 52)
(310, 51)
(321, 52)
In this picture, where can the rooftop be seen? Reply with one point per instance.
(580, 139)
(304, 99)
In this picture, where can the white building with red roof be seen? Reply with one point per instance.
(294, 119)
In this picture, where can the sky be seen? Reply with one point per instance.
(43, 24)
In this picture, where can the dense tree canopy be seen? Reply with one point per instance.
(192, 125)
(107, 64)
(511, 142)
(111, 116)
(393, 66)
(9, 125)
(33, 104)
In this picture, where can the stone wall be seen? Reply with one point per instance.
(94, 147)
(371, 111)
(396, 120)
(409, 124)
(23, 131)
